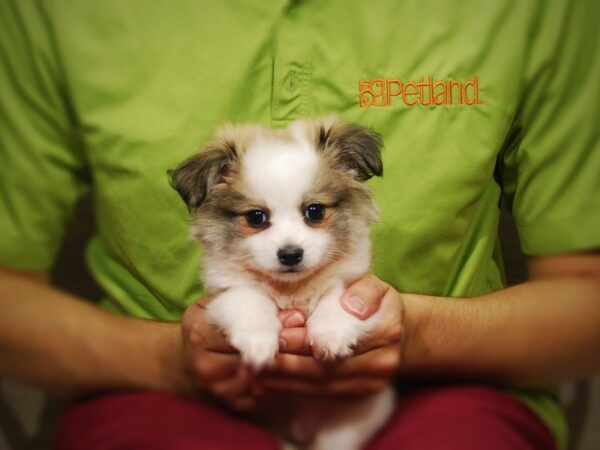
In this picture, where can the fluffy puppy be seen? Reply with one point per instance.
(283, 217)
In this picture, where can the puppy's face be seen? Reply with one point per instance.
(282, 204)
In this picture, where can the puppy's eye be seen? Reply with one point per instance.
(314, 212)
(256, 218)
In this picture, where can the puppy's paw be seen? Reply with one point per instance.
(330, 345)
(249, 319)
(330, 340)
(257, 347)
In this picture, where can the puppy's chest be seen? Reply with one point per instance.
(304, 298)
(305, 303)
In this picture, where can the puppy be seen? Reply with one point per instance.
(283, 217)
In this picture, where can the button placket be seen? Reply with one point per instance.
(291, 76)
(291, 80)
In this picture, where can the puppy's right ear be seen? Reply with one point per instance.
(353, 149)
(194, 178)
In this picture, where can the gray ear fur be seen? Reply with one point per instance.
(194, 178)
(355, 149)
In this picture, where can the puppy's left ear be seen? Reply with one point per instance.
(194, 178)
(354, 149)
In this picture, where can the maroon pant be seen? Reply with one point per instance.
(469, 417)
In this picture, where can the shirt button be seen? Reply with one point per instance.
(290, 80)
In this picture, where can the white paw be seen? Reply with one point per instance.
(330, 344)
(330, 340)
(249, 319)
(257, 347)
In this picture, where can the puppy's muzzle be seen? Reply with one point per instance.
(290, 256)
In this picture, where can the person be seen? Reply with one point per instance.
(474, 102)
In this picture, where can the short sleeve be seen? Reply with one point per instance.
(551, 170)
(42, 169)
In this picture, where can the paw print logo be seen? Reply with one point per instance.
(372, 92)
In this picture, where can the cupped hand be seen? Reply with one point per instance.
(377, 356)
(214, 366)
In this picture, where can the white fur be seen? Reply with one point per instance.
(277, 174)
(350, 424)
(331, 330)
(249, 318)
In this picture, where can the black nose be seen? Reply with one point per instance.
(290, 256)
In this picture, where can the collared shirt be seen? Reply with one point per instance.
(473, 100)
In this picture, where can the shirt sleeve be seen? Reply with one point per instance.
(42, 169)
(551, 167)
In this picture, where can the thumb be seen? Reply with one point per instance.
(199, 333)
(363, 297)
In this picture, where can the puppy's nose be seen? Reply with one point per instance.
(290, 256)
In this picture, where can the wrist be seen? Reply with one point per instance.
(423, 341)
(172, 373)
(148, 355)
(415, 312)
(442, 338)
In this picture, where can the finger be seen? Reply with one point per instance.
(201, 333)
(363, 297)
(244, 404)
(382, 362)
(291, 318)
(389, 328)
(230, 389)
(352, 387)
(298, 366)
(294, 341)
(210, 366)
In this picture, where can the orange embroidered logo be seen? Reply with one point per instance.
(382, 91)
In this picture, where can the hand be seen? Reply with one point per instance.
(377, 356)
(214, 365)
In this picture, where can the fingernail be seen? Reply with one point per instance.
(282, 343)
(355, 304)
(296, 319)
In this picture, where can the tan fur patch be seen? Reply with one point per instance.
(290, 287)
(326, 222)
(245, 229)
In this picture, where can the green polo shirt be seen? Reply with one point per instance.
(473, 100)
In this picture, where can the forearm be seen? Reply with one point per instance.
(61, 343)
(540, 332)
